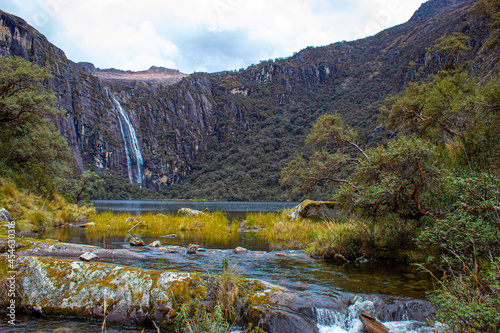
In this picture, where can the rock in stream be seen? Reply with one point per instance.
(72, 288)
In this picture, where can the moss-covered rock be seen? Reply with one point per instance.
(313, 209)
(57, 287)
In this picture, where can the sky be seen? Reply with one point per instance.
(202, 35)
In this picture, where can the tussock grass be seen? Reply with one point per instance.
(215, 227)
(32, 212)
(351, 237)
(283, 233)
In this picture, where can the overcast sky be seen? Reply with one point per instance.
(202, 35)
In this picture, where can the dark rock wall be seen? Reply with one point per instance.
(176, 124)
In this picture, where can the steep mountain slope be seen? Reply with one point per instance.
(227, 135)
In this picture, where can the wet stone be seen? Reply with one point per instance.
(155, 244)
(192, 248)
(89, 256)
(136, 241)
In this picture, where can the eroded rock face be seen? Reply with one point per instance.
(178, 124)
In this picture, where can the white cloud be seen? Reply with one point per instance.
(132, 34)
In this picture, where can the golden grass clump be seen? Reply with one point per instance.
(214, 227)
(32, 212)
(282, 232)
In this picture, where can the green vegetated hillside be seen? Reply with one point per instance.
(279, 99)
(228, 135)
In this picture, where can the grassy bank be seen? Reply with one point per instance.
(32, 212)
(214, 227)
(351, 238)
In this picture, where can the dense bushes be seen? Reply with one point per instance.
(440, 175)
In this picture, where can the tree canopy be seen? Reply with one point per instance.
(32, 151)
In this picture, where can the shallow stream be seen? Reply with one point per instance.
(291, 269)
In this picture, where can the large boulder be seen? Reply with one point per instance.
(418, 310)
(73, 288)
(69, 250)
(93, 290)
(291, 312)
(324, 210)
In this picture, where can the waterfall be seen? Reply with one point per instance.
(132, 149)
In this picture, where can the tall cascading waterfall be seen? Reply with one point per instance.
(132, 149)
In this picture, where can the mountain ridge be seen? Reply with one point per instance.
(155, 74)
(227, 135)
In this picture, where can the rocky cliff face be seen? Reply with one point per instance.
(170, 138)
(181, 122)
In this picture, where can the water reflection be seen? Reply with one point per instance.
(233, 208)
(291, 269)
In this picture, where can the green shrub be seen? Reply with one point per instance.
(470, 302)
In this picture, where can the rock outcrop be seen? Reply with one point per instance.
(137, 296)
(5, 215)
(210, 117)
(323, 210)
(69, 250)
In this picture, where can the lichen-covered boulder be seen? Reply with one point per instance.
(136, 241)
(240, 249)
(93, 290)
(72, 288)
(324, 210)
(155, 244)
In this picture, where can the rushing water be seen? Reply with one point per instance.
(291, 269)
(131, 143)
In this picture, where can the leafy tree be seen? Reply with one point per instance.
(22, 91)
(450, 49)
(453, 111)
(402, 178)
(396, 178)
(31, 150)
(85, 185)
(337, 155)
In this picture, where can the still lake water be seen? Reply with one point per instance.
(233, 208)
(291, 269)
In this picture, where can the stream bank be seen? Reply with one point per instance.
(295, 295)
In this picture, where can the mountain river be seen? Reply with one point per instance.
(363, 283)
